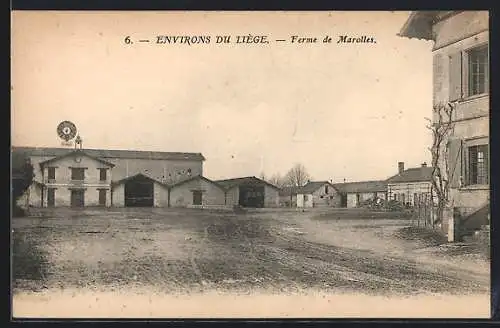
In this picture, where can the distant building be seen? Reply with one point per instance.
(250, 192)
(317, 194)
(461, 74)
(99, 177)
(353, 194)
(197, 192)
(410, 185)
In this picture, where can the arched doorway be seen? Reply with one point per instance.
(139, 192)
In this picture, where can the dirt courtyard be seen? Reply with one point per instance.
(195, 252)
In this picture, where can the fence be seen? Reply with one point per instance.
(424, 211)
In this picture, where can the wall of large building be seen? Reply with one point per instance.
(91, 169)
(409, 189)
(455, 36)
(160, 193)
(322, 198)
(168, 171)
(182, 195)
(119, 195)
(233, 196)
(271, 197)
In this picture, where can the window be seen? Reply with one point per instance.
(51, 175)
(478, 165)
(197, 197)
(102, 174)
(478, 70)
(77, 174)
(326, 189)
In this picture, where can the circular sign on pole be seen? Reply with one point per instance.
(66, 130)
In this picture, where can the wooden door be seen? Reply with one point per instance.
(102, 197)
(51, 197)
(77, 198)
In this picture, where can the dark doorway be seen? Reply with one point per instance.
(197, 197)
(102, 197)
(139, 192)
(51, 197)
(251, 196)
(343, 200)
(77, 198)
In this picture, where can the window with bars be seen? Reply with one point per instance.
(478, 165)
(478, 70)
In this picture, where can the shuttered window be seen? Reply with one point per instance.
(478, 165)
(455, 76)
(437, 76)
(478, 71)
(455, 162)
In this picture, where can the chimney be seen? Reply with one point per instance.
(424, 164)
(401, 167)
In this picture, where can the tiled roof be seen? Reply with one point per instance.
(312, 186)
(135, 176)
(230, 183)
(362, 186)
(419, 25)
(289, 191)
(195, 178)
(109, 153)
(417, 174)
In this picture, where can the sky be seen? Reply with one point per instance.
(344, 111)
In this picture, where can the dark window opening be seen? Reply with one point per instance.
(197, 197)
(102, 174)
(326, 189)
(478, 70)
(51, 175)
(77, 174)
(478, 165)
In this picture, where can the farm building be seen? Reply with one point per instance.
(317, 194)
(461, 65)
(250, 192)
(410, 185)
(98, 177)
(197, 191)
(352, 194)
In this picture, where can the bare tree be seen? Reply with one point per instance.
(277, 180)
(441, 127)
(297, 176)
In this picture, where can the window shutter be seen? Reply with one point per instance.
(463, 163)
(454, 162)
(455, 76)
(437, 76)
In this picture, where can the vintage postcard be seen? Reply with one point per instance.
(250, 164)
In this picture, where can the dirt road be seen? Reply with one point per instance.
(191, 251)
